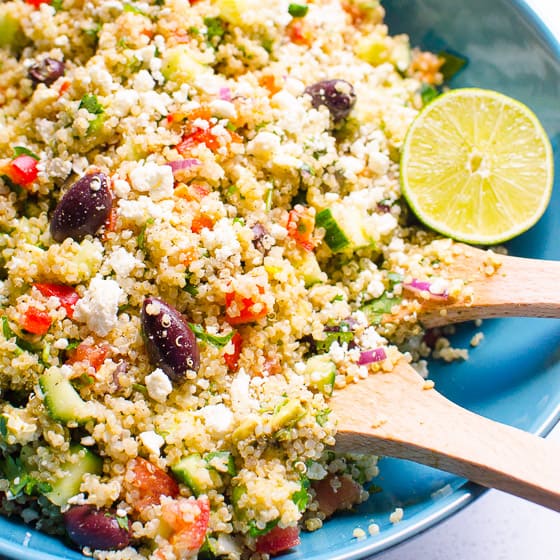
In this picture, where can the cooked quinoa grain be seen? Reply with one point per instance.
(202, 237)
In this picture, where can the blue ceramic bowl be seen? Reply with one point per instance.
(514, 375)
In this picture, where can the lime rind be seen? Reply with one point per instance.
(452, 135)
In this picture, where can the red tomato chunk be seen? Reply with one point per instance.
(66, 295)
(278, 540)
(22, 170)
(36, 321)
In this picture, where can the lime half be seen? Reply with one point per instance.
(477, 166)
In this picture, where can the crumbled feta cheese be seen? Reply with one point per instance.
(221, 239)
(218, 418)
(144, 81)
(121, 188)
(264, 144)
(239, 391)
(99, 305)
(123, 101)
(159, 385)
(123, 262)
(140, 210)
(223, 109)
(151, 441)
(155, 179)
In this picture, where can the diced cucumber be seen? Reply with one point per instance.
(344, 228)
(10, 27)
(221, 461)
(233, 11)
(320, 373)
(308, 268)
(245, 430)
(61, 399)
(180, 64)
(194, 471)
(83, 461)
(287, 415)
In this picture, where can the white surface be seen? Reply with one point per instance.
(496, 526)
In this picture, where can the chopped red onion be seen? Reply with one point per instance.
(225, 94)
(372, 356)
(423, 287)
(180, 164)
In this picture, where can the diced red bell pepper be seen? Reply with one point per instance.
(232, 358)
(201, 221)
(93, 354)
(36, 321)
(195, 138)
(301, 225)
(66, 295)
(189, 520)
(299, 32)
(22, 170)
(145, 484)
(278, 540)
(240, 309)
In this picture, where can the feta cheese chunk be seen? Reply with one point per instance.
(151, 441)
(217, 417)
(159, 385)
(155, 179)
(99, 305)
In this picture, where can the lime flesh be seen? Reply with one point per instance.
(477, 166)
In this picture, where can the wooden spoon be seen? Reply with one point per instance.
(502, 286)
(399, 414)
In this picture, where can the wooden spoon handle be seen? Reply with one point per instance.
(428, 428)
(518, 288)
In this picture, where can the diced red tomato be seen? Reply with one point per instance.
(195, 138)
(336, 493)
(36, 321)
(93, 354)
(188, 519)
(37, 3)
(240, 309)
(22, 170)
(301, 225)
(145, 484)
(232, 358)
(299, 32)
(278, 540)
(201, 221)
(66, 295)
(194, 191)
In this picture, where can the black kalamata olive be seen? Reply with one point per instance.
(170, 342)
(95, 528)
(336, 95)
(47, 71)
(261, 239)
(83, 209)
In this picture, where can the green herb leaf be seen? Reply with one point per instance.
(298, 10)
(3, 426)
(133, 9)
(122, 521)
(142, 235)
(254, 531)
(322, 417)
(189, 287)
(301, 497)
(90, 102)
(428, 93)
(344, 335)
(22, 150)
(375, 309)
(215, 27)
(453, 64)
(215, 340)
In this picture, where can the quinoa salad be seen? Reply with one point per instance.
(202, 237)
